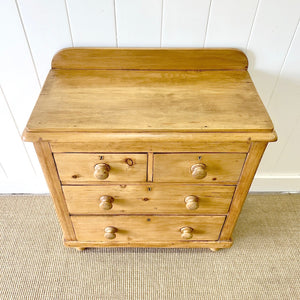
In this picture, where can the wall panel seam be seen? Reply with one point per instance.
(252, 25)
(5, 174)
(116, 27)
(69, 23)
(207, 23)
(282, 66)
(15, 123)
(161, 22)
(292, 131)
(28, 44)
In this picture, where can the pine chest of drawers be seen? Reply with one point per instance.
(149, 147)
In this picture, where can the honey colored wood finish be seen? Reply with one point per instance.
(149, 147)
(149, 59)
(146, 228)
(77, 168)
(164, 244)
(253, 158)
(48, 165)
(148, 199)
(154, 143)
(149, 101)
(220, 167)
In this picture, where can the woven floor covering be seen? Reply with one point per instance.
(263, 263)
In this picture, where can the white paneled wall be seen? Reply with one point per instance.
(32, 31)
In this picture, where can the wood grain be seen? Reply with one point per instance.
(147, 228)
(161, 141)
(149, 59)
(152, 143)
(148, 198)
(220, 167)
(164, 244)
(48, 165)
(251, 164)
(149, 101)
(78, 168)
(150, 166)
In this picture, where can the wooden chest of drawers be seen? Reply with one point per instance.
(149, 147)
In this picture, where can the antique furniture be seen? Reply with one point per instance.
(149, 147)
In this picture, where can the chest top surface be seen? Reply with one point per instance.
(148, 90)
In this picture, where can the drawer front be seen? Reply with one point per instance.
(198, 167)
(147, 228)
(162, 198)
(77, 168)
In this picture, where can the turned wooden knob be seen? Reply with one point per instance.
(101, 171)
(191, 202)
(199, 171)
(186, 232)
(106, 202)
(110, 232)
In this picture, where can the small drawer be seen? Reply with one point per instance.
(198, 167)
(152, 198)
(147, 228)
(77, 168)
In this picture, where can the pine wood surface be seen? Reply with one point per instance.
(251, 164)
(159, 143)
(52, 178)
(147, 228)
(149, 101)
(80, 167)
(162, 244)
(149, 59)
(221, 167)
(148, 198)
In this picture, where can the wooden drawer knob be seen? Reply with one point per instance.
(186, 233)
(101, 171)
(191, 202)
(106, 202)
(199, 171)
(110, 232)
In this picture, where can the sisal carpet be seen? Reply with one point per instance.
(263, 263)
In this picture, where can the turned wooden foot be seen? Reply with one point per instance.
(80, 248)
(214, 249)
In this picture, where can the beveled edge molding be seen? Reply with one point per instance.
(175, 244)
(107, 137)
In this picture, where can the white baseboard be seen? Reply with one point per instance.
(36, 185)
(261, 183)
(276, 183)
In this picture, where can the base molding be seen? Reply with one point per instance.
(177, 244)
(276, 183)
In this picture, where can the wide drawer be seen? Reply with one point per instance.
(148, 198)
(84, 167)
(147, 228)
(198, 167)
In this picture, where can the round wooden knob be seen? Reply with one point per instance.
(110, 232)
(101, 171)
(199, 171)
(186, 232)
(191, 202)
(106, 202)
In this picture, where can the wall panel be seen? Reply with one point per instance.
(47, 28)
(92, 22)
(17, 74)
(284, 108)
(230, 23)
(138, 23)
(272, 32)
(14, 158)
(184, 23)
